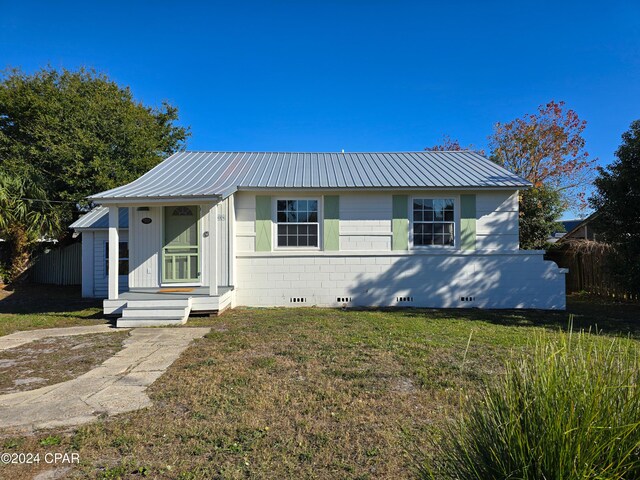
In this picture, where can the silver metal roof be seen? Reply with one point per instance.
(206, 174)
(98, 218)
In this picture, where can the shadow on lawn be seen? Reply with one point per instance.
(612, 318)
(33, 298)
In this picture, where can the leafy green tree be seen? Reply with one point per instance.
(540, 208)
(617, 200)
(73, 133)
(26, 216)
(79, 132)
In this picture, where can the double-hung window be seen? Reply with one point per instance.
(297, 223)
(433, 221)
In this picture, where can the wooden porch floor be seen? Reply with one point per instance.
(157, 294)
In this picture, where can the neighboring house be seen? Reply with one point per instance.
(582, 230)
(211, 230)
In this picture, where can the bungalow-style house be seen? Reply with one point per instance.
(204, 231)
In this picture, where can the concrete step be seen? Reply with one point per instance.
(155, 312)
(163, 303)
(150, 322)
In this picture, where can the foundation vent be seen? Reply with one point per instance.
(297, 300)
(467, 299)
(404, 299)
(343, 299)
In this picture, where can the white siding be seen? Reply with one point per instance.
(145, 248)
(365, 219)
(100, 288)
(497, 221)
(245, 204)
(223, 260)
(87, 264)
(365, 222)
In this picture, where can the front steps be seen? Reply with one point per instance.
(155, 313)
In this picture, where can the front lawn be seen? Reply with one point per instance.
(310, 393)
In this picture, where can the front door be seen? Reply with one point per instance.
(181, 250)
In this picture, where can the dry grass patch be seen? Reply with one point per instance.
(54, 360)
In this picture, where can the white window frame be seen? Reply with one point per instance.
(106, 258)
(274, 221)
(456, 222)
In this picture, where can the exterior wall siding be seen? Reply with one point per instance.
(366, 219)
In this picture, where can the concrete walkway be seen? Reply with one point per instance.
(116, 386)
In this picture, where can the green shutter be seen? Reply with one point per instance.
(331, 222)
(263, 223)
(400, 223)
(468, 222)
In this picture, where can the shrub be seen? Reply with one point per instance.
(569, 409)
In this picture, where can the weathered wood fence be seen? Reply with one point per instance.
(58, 266)
(589, 268)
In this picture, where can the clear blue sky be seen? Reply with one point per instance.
(353, 74)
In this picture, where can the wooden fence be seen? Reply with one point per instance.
(589, 268)
(58, 266)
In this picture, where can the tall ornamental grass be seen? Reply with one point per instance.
(570, 409)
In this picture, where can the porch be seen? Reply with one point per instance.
(165, 306)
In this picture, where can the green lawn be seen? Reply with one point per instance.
(306, 393)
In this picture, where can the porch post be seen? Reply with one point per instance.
(213, 261)
(113, 252)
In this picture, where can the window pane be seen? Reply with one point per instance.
(438, 228)
(313, 240)
(417, 204)
(193, 265)
(428, 228)
(303, 229)
(312, 205)
(438, 240)
(303, 216)
(313, 216)
(282, 229)
(428, 216)
(418, 216)
(428, 204)
(168, 267)
(282, 240)
(448, 228)
(428, 240)
(448, 204)
(282, 217)
(418, 228)
(291, 205)
(448, 239)
(123, 267)
(292, 241)
(302, 241)
(292, 217)
(448, 215)
(313, 229)
(302, 205)
(282, 205)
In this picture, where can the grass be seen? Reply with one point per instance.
(30, 307)
(311, 393)
(567, 408)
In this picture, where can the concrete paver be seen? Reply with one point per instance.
(116, 386)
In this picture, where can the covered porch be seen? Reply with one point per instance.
(180, 260)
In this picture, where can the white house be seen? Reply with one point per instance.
(204, 231)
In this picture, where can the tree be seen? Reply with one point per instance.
(617, 200)
(73, 133)
(540, 208)
(450, 145)
(546, 148)
(26, 216)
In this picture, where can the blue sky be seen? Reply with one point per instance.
(353, 74)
